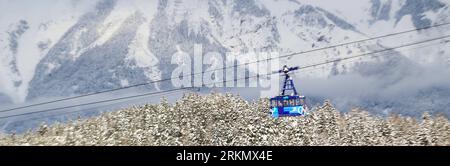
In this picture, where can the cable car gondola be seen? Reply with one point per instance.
(288, 104)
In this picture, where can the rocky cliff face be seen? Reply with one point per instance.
(118, 44)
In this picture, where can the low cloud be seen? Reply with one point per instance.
(394, 85)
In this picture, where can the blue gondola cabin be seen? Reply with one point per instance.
(288, 104)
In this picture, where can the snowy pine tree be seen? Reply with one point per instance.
(229, 120)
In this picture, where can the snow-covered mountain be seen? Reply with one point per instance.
(4, 99)
(27, 31)
(64, 48)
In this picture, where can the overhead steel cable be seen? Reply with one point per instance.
(341, 59)
(223, 68)
(293, 72)
(128, 97)
(375, 52)
(96, 102)
(258, 75)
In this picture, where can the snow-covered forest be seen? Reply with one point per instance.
(225, 119)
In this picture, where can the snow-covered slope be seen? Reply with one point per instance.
(90, 58)
(379, 17)
(4, 99)
(82, 46)
(227, 120)
(52, 56)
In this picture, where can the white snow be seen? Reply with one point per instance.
(194, 11)
(124, 83)
(51, 67)
(77, 48)
(139, 50)
(141, 55)
(48, 20)
(113, 22)
(279, 7)
(352, 11)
